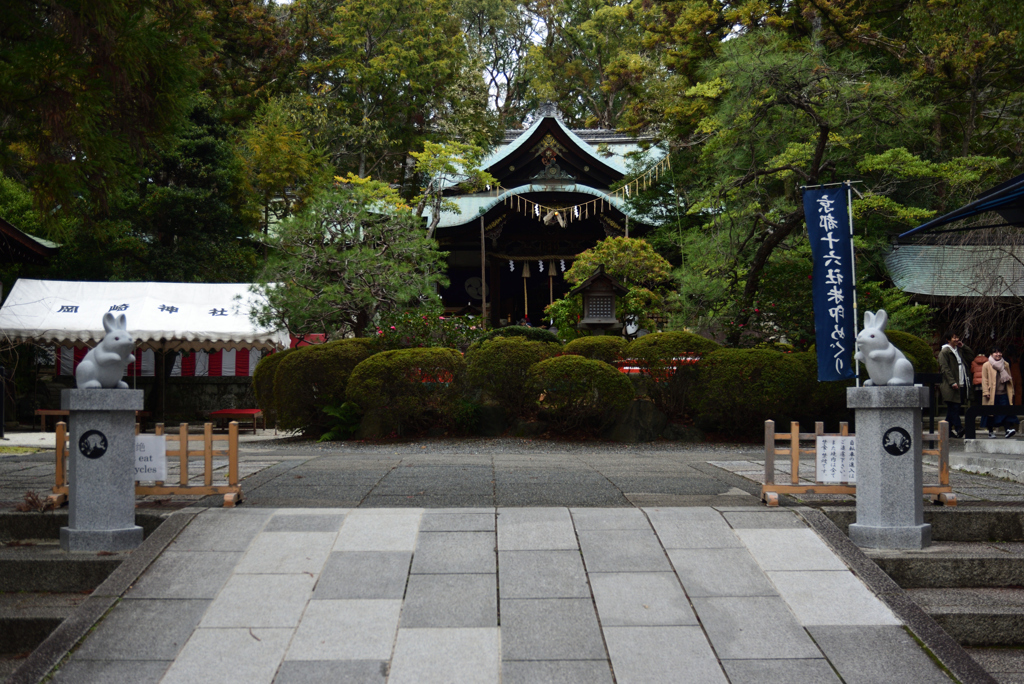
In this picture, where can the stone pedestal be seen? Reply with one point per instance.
(101, 470)
(889, 498)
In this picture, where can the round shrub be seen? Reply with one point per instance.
(607, 348)
(580, 394)
(667, 345)
(406, 390)
(313, 377)
(917, 350)
(742, 388)
(668, 384)
(500, 367)
(827, 402)
(263, 383)
(535, 334)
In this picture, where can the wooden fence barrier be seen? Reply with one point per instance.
(210, 445)
(940, 493)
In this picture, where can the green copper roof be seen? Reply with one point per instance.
(472, 206)
(608, 147)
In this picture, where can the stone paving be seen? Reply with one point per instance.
(513, 595)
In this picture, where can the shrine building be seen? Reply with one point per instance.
(553, 200)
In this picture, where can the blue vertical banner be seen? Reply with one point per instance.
(828, 228)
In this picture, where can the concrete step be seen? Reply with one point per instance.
(954, 565)
(40, 565)
(27, 618)
(976, 616)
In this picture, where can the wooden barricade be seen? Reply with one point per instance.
(940, 493)
(210, 445)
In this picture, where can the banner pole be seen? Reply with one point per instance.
(853, 271)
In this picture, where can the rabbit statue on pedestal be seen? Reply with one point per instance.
(885, 363)
(104, 365)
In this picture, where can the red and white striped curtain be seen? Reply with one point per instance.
(220, 363)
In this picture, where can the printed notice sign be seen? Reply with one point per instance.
(150, 458)
(836, 459)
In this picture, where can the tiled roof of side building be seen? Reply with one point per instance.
(958, 270)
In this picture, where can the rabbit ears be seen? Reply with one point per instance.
(110, 323)
(876, 320)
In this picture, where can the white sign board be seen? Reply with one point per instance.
(150, 458)
(836, 459)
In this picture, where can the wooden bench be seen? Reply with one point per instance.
(255, 415)
(57, 413)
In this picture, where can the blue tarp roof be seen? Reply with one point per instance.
(1005, 199)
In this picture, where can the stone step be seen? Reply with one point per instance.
(996, 457)
(976, 616)
(954, 523)
(27, 618)
(954, 565)
(40, 565)
(1000, 446)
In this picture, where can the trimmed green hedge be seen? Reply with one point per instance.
(263, 383)
(579, 393)
(501, 366)
(313, 377)
(535, 334)
(917, 350)
(607, 348)
(741, 388)
(406, 390)
(827, 402)
(667, 345)
(670, 389)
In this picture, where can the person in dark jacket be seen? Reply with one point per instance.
(954, 358)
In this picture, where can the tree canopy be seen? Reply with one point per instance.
(193, 139)
(354, 253)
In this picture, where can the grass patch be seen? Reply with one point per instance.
(18, 450)
(930, 654)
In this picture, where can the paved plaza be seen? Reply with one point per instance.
(507, 595)
(489, 561)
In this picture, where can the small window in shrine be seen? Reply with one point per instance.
(600, 306)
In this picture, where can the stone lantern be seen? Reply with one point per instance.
(599, 295)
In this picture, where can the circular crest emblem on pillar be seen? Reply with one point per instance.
(896, 441)
(92, 444)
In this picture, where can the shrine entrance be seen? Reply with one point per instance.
(552, 201)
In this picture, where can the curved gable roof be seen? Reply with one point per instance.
(495, 162)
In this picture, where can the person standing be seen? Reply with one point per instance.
(1012, 358)
(976, 365)
(955, 379)
(997, 390)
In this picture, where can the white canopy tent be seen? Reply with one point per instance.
(161, 316)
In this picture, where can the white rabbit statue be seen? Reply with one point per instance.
(104, 365)
(885, 363)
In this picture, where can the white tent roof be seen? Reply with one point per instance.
(160, 315)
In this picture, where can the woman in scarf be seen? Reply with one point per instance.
(997, 390)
